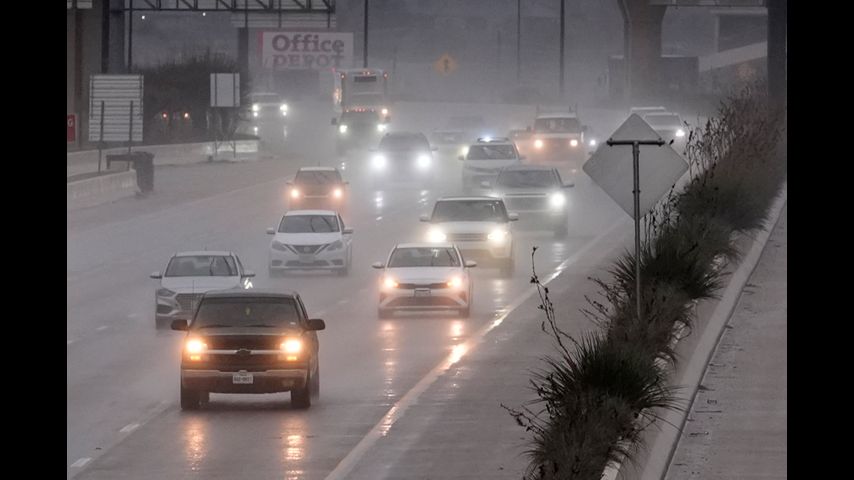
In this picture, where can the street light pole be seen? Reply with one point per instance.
(562, 33)
(518, 41)
(365, 48)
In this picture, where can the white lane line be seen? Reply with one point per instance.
(397, 410)
(101, 328)
(135, 315)
(129, 427)
(69, 342)
(81, 462)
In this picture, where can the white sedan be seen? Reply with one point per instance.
(425, 276)
(311, 240)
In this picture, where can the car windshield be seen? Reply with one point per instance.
(663, 120)
(424, 257)
(526, 179)
(246, 312)
(317, 177)
(469, 211)
(201, 266)
(404, 142)
(557, 125)
(491, 152)
(308, 224)
(359, 117)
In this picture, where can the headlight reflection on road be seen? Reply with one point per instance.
(195, 447)
(389, 341)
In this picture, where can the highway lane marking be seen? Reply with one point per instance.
(79, 463)
(129, 427)
(398, 409)
(101, 328)
(69, 342)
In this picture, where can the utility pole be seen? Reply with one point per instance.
(365, 48)
(518, 41)
(562, 33)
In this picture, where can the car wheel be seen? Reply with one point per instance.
(507, 266)
(562, 229)
(315, 382)
(301, 397)
(190, 399)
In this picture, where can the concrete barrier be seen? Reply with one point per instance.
(177, 154)
(101, 189)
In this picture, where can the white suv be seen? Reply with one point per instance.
(478, 226)
(311, 240)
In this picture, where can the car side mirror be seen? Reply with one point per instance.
(513, 217)
(584, 128)
(180, 324)
(271, 231)
(522, 157)
(471, 264)
(485, 184)
(378, 265)
(346, 182)
(347, 231)
(434, 149)
(387, 119)
(248, 274)
(334, 121)
(424, 218)
(461, 157)
(568, 185)
(156, 275)
(316, 324)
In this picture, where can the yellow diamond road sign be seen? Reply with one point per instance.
(445, 64)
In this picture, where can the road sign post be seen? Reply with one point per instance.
(609, 168)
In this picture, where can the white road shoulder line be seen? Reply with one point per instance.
(81, 462)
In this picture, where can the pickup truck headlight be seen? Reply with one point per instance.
(436, 236)
(336, 245)
(557, 200)
(291, 345)
(497, 236)
(342, 129)
(164, 292)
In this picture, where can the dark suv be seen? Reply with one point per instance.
(250, 341)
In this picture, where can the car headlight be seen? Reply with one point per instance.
(381, 127)
(455, 282)
(538, 143)
(593, 142)
(279, 246)
(164, 292)
(436, 236)
(256, 108)
(464, 151)
(557, 200)
(254, 114)
(378, 161)
(389, 282)
(573, 143)
(195, 346)
(680, 133)
(497, 236)
(291, 345)
(342, 128)
(384, 111)
(336, 245)
(493, 194)
(284, 108)
(423, 161)
(337, 193)
(295, 193)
